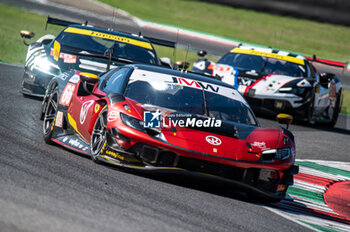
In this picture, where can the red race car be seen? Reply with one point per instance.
(157, 119)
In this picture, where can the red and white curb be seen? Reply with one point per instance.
(307, 203)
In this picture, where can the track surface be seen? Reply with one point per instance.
(46, 188)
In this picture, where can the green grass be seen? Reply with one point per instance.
(12, 49)
(298, 35)
(346, 102)
(181, 54)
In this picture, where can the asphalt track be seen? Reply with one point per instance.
(47, 188)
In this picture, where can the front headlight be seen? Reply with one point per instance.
(282, 153)
(294, 90)
(44, 65)
(279, 154)
(132, 122)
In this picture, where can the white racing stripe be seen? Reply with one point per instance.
(309, 186)
(334, 164)
(315, 172)
(283, 53)
(97, 69)
(161, 80)
(93, 63)
(313, 205)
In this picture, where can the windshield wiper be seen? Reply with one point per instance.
(205, 104)
(124, 59)
(263, 66)
(108, 53)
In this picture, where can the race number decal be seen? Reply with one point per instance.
(67, 94)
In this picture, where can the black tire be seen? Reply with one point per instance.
(50, 113)
(99, 136)
(336, 112)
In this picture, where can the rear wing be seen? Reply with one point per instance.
(161, 42)
(60, 22)
(336, 64)
(66, 23)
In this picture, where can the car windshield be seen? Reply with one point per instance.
(189, 100)
(263, 65)
(98, 46)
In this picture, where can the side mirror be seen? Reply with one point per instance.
(202, 53)
(88, 81)
(325, 78)
(183, 65)
(88, 77)
(26, 35)
(167, 62)
(284, 119)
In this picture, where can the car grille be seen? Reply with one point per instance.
(211, 168)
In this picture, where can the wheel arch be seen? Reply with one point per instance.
(48, 91)
(103, 103)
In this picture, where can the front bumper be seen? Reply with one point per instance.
(35, 83)
(276, 106)
(271, 183)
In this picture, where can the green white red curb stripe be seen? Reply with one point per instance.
(305, 203)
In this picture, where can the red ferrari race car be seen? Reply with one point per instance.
(157, 119)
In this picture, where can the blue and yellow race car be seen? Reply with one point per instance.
(85, 48)
(275, 81)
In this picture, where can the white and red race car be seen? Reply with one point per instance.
(277, 81)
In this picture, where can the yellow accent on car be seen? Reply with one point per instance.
(56, 50)
(284, 119)
(287, 116)
(89, 75)
(103, 147)
(267, 54)
(115, 155)
(109, 36)
(73, 123)
(146, 167)
(97, 107)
